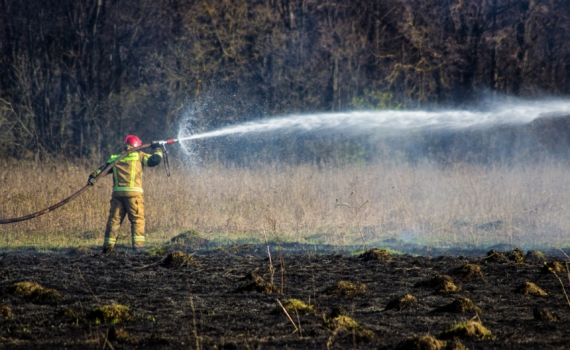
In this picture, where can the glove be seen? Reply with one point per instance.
(91, 180)
(155, 145)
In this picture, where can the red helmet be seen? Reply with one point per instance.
(132, 140)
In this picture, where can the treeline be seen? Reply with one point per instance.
(76, 76)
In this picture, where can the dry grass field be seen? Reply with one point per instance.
(525, 205)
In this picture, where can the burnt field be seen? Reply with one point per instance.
(234, 299)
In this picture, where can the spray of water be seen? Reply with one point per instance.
(377, 122)
(519, 112)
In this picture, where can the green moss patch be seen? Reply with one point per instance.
(294, 306)
(347, 289)
(114, 313)
(34, 292)
(342, 322)
(157, 251)
(467, 329)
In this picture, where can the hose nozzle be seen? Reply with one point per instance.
(168, 142)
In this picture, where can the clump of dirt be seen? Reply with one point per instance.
(159, 339)
(442, 283)
(34, 292)
(529, 288)
(421, 342)
(256, 283)
(553, 267)
(455, 344)
(467, 329)
(448, 287)
(406, 302)
(190, 238)
(516, 255)
(376, 254)
(121, 336)
(347, 289)
(535, 256)
(496, 256)
(178, 259)
(243, 248)
(80, 251)
(68, 315)
(5, 311)
(296, 306)
(544, 315)
(460, 305)
(114, 313)
(469, 271)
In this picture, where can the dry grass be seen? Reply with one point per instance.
(421, 342)
(529, 288)
(114, 313)
(406, 302)
(5, 312)
(467, 329)
(296, 306)
(347, 289)
(178, 259)
(428, 204)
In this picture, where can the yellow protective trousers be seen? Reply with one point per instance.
(133, 207)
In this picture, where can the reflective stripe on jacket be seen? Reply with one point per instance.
(127, 173)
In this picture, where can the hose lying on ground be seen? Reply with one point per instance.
(68, 199)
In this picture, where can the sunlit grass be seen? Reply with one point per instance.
(422, 204)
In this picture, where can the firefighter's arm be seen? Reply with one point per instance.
(91, 180)
(156, 157)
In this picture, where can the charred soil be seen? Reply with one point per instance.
(208, 303)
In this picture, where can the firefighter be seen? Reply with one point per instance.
(127, 198)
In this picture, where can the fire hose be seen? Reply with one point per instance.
(103, 173)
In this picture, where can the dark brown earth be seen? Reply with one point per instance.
(218, 300)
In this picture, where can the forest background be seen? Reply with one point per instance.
(79, 75)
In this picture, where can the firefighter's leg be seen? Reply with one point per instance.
(135, 211)
(116, 216)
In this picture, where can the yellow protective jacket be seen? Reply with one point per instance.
(128, 172)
